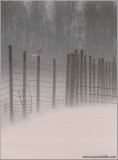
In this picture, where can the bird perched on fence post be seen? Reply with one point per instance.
(37, 52)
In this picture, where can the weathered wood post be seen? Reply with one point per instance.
(81, 75)
(106, 81)
(11, 84)
(109, 80)
(77, 79)
(85, 79)
(98, 80)
(24, 84)
(38, 84)
(67, 79)
(100, 89)
(114, 78)
(71, 98)
(90, 77)
(94, 80)
(75, 73)
(102, 80)
(54, 84)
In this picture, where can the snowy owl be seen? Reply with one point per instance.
(37, 52)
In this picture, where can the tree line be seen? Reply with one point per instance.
(60, 26)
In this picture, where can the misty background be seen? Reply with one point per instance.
(59, 27)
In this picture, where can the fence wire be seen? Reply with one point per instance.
(88, 87)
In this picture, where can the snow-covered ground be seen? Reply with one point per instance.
(66, 133)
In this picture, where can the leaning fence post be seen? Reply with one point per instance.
(38, 83)
(67, 79)
(11, 84)
(24, 84)
(54, 84)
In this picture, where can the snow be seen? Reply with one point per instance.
(86, 130)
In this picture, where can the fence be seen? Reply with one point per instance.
(29, 87)
(92, 81)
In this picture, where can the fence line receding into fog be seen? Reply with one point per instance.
(35, 86)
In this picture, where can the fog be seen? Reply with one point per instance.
(86, 130)
(57, 27)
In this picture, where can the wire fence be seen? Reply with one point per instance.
(35, 86)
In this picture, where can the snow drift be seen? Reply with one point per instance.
(64, 133)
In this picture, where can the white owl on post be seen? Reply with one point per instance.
(37, 53)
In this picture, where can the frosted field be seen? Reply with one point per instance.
(65, 133)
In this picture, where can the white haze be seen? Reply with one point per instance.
(63, 133)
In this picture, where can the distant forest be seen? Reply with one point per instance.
(60, 26)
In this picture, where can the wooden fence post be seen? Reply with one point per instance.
(24, 84)
(106, 81)
(90, 77)
(98, 80)
(71, 98)
(114, 78)
(85, 79)
(109, 78)
(54, 84)
(11, 84)
(38, 83)
(102, 80)
(77, 79)
(81, 75)
(75, 74)
(94, 80)
(100, 89)
(67, 78)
